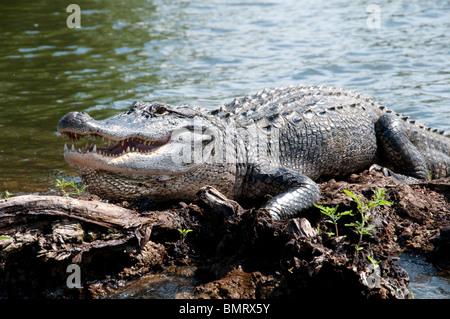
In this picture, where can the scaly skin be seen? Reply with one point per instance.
(276, 142)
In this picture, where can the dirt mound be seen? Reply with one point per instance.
(231, 251)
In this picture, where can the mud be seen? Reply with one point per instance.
(234, 251)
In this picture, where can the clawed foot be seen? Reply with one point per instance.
(399, 178)
(375, 167)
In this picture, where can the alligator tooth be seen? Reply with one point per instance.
(128, 149)
(94, 149)
(65, 147)
(133, 149)
(73, 148)
(121, 142)
(79, 150)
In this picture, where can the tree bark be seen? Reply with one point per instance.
(99, 213)
(63, 227)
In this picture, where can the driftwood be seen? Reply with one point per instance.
(65, 227)
(99, 213)
(214, 201)
(43, 235)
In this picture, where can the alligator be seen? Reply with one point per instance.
(278, 142)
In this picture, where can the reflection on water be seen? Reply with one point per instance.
(426, 282)
(156, 287)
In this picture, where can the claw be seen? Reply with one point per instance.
(381, 169)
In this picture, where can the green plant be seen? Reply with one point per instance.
(5, 194)
(183, 233)
(333, 216)
(362, 226)
(375, 263)
(63, 184)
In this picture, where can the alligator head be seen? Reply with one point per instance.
(151, 143)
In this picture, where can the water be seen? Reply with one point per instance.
(426, 281)
(156, 287)
(203, 53)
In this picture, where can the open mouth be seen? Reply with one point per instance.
(107, 147)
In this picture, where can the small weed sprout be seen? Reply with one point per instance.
(374, 275)
(5, 195)
(333, 216)
(63, 184)
(375, 263)
(183, 233)
(364, 210)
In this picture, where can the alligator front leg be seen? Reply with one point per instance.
(409, 164)
(294, 192)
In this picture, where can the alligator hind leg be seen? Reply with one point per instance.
(408, 163)
(294, 192)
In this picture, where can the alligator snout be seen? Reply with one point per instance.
(74, 122)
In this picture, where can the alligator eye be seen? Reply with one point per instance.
(160, 109)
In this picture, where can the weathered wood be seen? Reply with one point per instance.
(62, 227)
(99, 213)
(215, 202)
(45, 234)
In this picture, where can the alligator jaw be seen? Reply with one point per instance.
(123, 156)
(114, 148)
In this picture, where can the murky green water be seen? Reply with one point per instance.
(203, 53)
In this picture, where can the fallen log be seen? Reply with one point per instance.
(64, 227)
(99, 213)
(42, 235)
